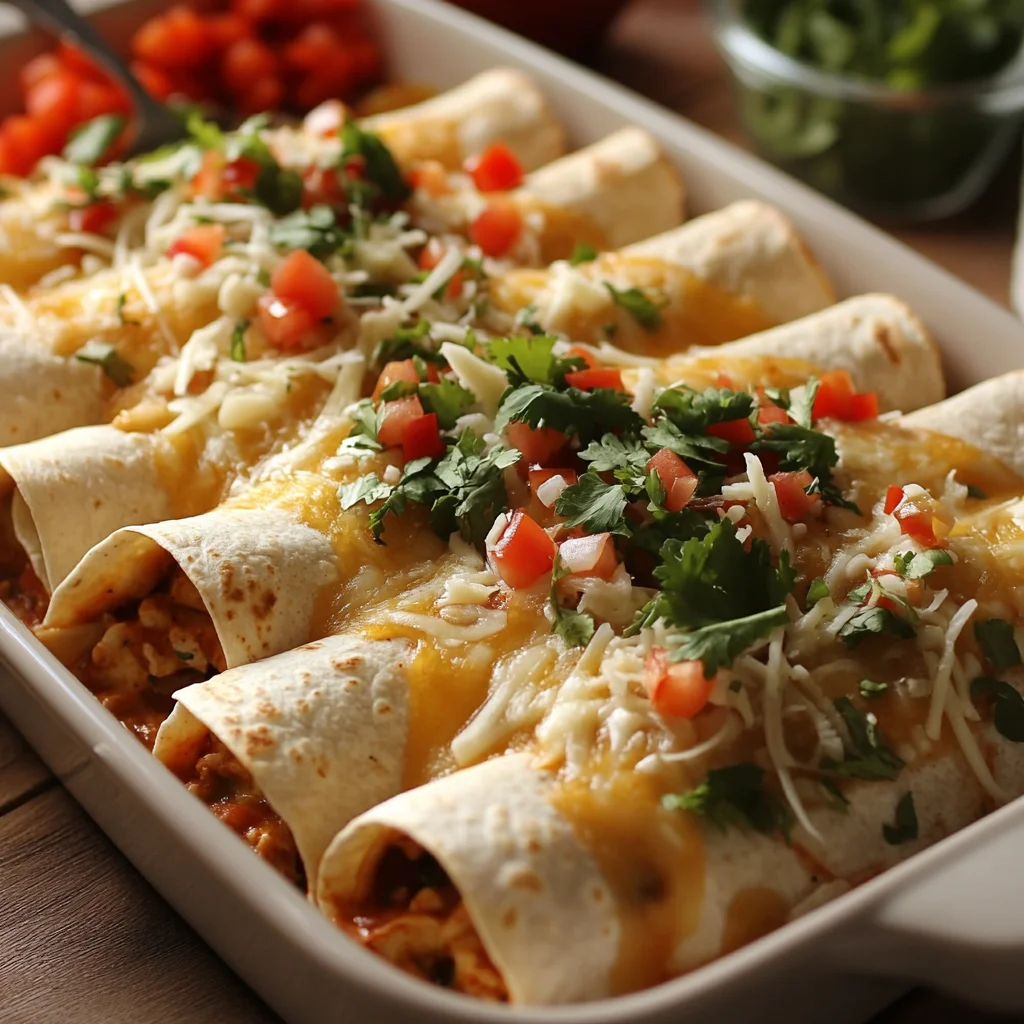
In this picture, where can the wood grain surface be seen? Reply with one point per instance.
(83, 938)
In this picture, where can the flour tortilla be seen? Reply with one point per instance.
(501, 105)
(322, 729)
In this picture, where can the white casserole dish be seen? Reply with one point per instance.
(950, 917)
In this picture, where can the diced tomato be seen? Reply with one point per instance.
(218, 180)
(79, 62)
(593, 555)
(179, 38)
(524, 552)
(154, 80)
(584, 353)
(768, 412)
(737, 432)
(38, 69)
(93, 219)
(204, 243)
(539, 477)
(54, 101)
(497, 227)
(589, 380)
(863, 407)
(23, 141)
(539, 445)
(893, 496)
(287, 325)
(227, 28)
(321, 185)
(837, 398)
(431, 177)
(677, 689)
(920, 524)
(303, 279)
(422, 438)
(791, 490)
(397, 417)
(402, 370)
(496, 169)
(676, 477)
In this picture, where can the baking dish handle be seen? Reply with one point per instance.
(959, 929)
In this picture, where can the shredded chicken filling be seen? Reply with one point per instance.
(148, 650)
(414, 917)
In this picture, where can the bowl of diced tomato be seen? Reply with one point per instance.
(244, 56)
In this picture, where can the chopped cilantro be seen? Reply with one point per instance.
(904, 830)
(870, 758)
(700, 448)
(575, 628)
(369, 488)
(800, 447)
(721, 643)
(527, 317)
(612, 454)
(817, 591)
(587, 414)
(316, 230)
(119, 311)
(917, 565)
(694, 411)
(89, 144)
(366, 422)
(238, 353)
(997, 640)
(380, 168)
(593, 504)
(531, 359)
(872, 622)
(801, 408)
(405, 343)
(645, 311)
(106, 357)
(447, 399)
(869, 689)
(1008, 706)
(734, 796)
(582, 253)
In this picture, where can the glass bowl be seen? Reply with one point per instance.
(889, 153)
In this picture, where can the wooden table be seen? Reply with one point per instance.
(84, 939)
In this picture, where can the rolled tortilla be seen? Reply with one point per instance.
(44, 393)
(703, 285)
(121, 475)
(573, 898)
(321, 729)
(501, 105)
(608, 195)
(877, 338)
(989, 415)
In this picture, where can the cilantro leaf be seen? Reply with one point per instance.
(406, 343)
(593, 504)
(800, 447)
(89, 144)
(530, 359)
(587, 414)
(905, 828)
(869, 689)
(871, 758)
(366, 423)
(721, 643)
(917, 565)
(734, 796)
(238, 353)
(1008, 710)
(817, 591)
(106, 357)
(447, 399)
(369, 488)
(475, 488)
(801, 408)
(380, 167)
(874, 621)
(316, 230)
(644, 310)
(612, 454)
(694, 411)
(997, 640)
(582, 253)
(700, 448)
(575, 628)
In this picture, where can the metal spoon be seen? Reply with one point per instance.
(155, 125)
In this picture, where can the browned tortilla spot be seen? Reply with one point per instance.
(884, 338)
